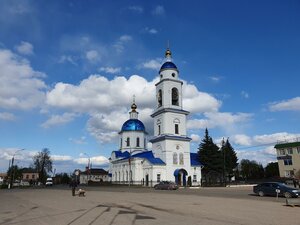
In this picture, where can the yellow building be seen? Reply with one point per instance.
(288, 156)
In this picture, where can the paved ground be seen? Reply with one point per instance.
(113, 206)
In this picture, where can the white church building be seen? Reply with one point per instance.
(170, 158)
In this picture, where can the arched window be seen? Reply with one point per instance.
(158, 129)
(137, 142)
(176, 129)
(175, 158)
(121, 143)
(159, 98)
(116, 176)
(181, 160)
(128, 142)
(175, 96)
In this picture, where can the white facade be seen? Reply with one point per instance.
(170, 158)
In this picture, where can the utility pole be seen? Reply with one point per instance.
(12, 168)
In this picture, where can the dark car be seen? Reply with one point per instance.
(166, 185)
(271, 188)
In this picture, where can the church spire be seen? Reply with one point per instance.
(168, 54)
(133, 114)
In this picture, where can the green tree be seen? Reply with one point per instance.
(210, 156)
(251, 169)
(43, 164)
(272, 170)
(230, 160)
(15, 172)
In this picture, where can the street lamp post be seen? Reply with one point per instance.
(88, 171)
(12, 167)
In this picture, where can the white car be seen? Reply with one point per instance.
(49, 181)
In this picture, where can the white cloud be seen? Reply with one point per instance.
(215, 78)
(158, 11)
(25, 48)
(92, 56)
(264, 155)
(110, 70)
(67, 58)
(56, 120)
(79, 141)
(136, 8)
(21, 87)
(120, 44)
(7, 116)
(95, 160)
(61, 157)
(125, 38)
(195, 138)
(150, 30)
(241, 139)
(286, 105)
(244, 94)
(153, 64)
(224, 120)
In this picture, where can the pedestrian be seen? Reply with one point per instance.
(73, 185)
(295, 182)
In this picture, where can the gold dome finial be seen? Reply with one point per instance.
(168, 53)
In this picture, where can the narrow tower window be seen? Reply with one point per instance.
(121, 143)
(176, 129)
(137, 142)
(175, 97)
(159, 98)
(128, 142)
(158, 129)
(181, 161)
(175, 159)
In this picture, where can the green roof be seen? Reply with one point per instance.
(287, 145)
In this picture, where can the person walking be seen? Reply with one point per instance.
(73, 185)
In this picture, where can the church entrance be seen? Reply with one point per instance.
(180, 177)
(147, 180)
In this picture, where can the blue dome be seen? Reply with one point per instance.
(168, 65)
(133, 125)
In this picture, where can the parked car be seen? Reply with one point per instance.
(271, 189)
(49, 181)
(166, 185)
(24, 183)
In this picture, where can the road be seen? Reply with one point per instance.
(137, 206)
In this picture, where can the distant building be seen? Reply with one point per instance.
(288, 156)
(30, 175)
(3, 177)
(93, 175)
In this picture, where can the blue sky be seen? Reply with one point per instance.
(69, 69)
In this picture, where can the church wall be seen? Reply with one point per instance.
(133, 135)
(166, 87)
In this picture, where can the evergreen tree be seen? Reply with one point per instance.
(210, 156)
(272, 170)
(229, 159)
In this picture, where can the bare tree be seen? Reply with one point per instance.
(43, 163)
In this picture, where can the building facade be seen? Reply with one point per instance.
(288, 156)
(93, 175)
(170, 158)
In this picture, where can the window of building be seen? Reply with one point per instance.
(137, 142)
(288, 173)
(27, 176)
(288, 162)
(158, 129)
(175, 158)
(121, 143)
(128, 142)
(159, 98)
(194, 178)
(176, 129)
(33, 176)
(281, 152)
(290, 151)
(175, 97)
(158, 177)
(298, 150)
(181, 160)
